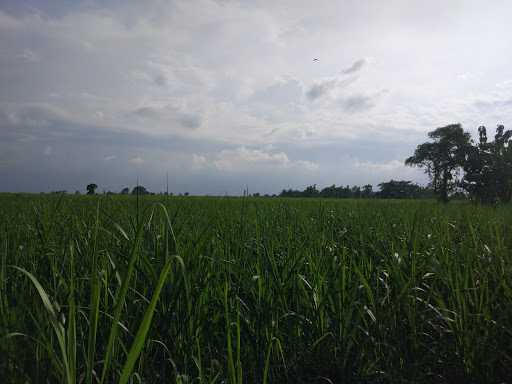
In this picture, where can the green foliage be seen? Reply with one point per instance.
(399, 189)
(488, 168)
(91, 189)
(330, 191)
(393, 189)
(255, 290)
(139, 190)
(443, 157)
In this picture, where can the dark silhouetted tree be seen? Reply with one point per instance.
(442, 158)
(355, 191)
(367, 190)
(502, 155)
(488, 168)
(398, 189)
(125, 191)
(330, 191)
(311, 191)
(345, 192)
(140, 190)
(91, 189)
(392, 189)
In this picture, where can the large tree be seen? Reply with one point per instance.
(140, 190)
(488, 169)
(367, 190)
(91, 189)
(502, 151)
(443, 157)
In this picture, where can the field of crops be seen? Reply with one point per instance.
(255, 290)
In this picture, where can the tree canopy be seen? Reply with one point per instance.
(140, 190)
(91, 189)
(488, 169)
(399, 189)
(393, 189)
(443, 157)
(486, 166)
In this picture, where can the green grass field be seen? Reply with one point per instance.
(230, 290)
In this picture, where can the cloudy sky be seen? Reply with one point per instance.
(224, 94)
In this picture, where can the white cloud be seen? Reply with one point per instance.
(466, 76)
(48, 151)
(170, 115)
(386, 170)
(137, 160)
(388, 166)
(506, 84)
(307, 165)
(199, 161)
(33, 114)
(28, 56)
(244, 159)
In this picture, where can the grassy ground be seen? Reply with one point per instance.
(116, 289)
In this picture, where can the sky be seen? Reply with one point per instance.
(225, 95)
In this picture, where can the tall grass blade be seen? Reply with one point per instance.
(142, 332)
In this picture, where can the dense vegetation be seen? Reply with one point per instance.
(153, 289)
(393, 189)
(457, 166)
(453, 160)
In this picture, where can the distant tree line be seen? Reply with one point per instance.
(458, 167)
(393, 189)
(138, 190)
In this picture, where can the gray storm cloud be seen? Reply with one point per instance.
(355, 67)
(358, 103)
(323, 87)
(160, 81)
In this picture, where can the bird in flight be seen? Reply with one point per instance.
(315, 59)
